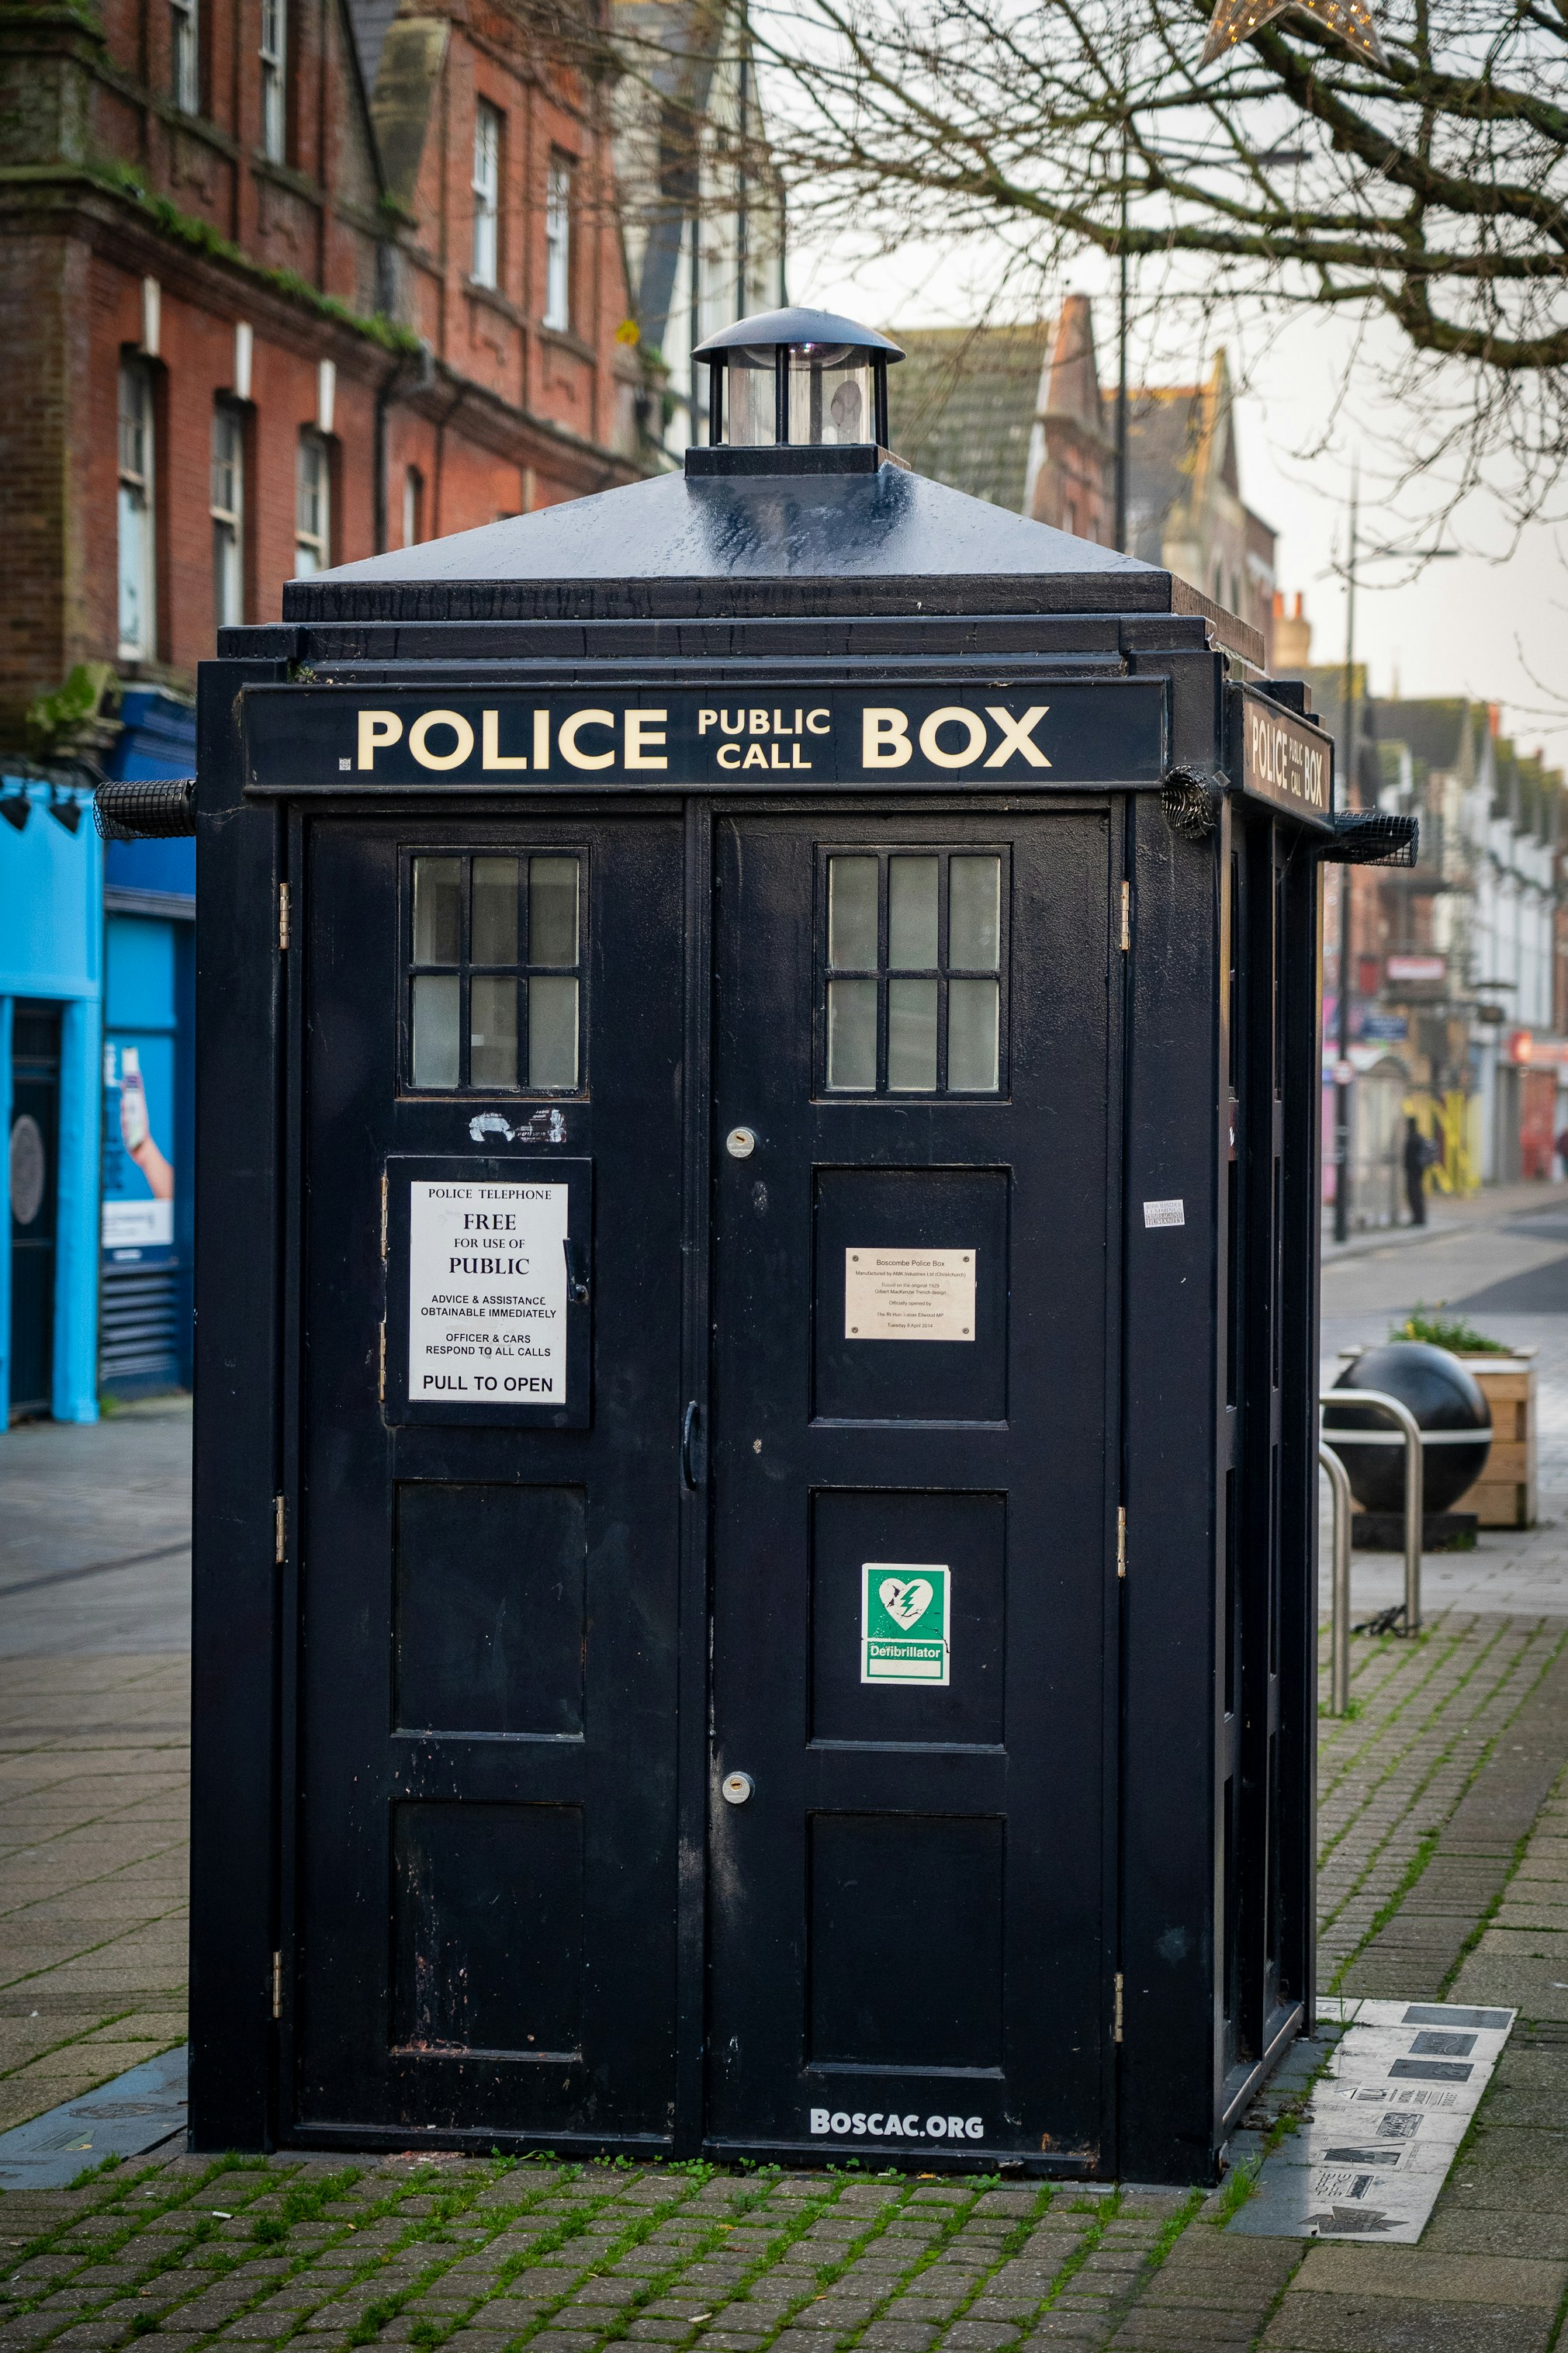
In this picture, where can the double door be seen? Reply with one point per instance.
(705, 1569)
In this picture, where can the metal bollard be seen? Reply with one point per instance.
(1339, 1611)
(1415, 1469)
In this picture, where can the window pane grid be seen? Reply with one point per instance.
(137, 581)
(913, 971)
(184, 62)
(312, 505)
(227, 508)
(558, 244)
(486, 194)
(274, 92)
(495, 982)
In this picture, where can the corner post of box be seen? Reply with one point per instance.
(235, 1628)
(1302, 1219)
(1172, 1375)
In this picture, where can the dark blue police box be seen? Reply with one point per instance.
(755, 1523)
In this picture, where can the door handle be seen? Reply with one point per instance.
(577, 1288)
(690, 1467)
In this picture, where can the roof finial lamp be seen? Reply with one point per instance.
(795, 392)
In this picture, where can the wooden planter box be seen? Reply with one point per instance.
(1504, 1495)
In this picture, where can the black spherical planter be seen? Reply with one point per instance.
(1448, 1407)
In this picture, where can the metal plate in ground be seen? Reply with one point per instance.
(1383, 2122)
(124, 2119)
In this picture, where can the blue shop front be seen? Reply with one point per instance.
(51, 946)
(149, 972)
(96, 1085)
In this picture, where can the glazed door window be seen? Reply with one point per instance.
(495, 972)
(913, 972)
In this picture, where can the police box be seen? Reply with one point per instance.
(756, 1483)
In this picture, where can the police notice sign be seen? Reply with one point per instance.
(487, 1294)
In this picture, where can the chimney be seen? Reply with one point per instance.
(1293, 637)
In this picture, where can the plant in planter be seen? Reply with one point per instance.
(1454, 1333)
(1504, 1496)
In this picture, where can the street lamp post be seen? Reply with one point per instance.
(1342, 1062)
(1350, 731)
(1121, 360)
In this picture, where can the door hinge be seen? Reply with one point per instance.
(277, 1985)
(1126, 917)
(1116, 2025)
(279, 1529)
(1120, 1539)
(282, 914)
(384, 1217)
(381, 1376)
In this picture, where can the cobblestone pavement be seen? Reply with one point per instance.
(1444, 1871)
(93, 1805)
(94, 1747)
(1443, 1834)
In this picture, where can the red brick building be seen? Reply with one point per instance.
(1018, 414)
(284, 283)
(1072, 468)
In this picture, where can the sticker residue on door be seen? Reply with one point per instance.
(487, 1294)
(908, 1294)
(1164, 1213)
(904, 1623)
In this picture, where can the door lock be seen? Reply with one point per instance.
(741, 1142)
(736, 1787)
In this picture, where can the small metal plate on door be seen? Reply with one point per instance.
(740, 1143)
(736, 1787)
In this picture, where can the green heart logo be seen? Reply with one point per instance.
(905, 1599)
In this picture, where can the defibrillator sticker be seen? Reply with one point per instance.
(904, 1623)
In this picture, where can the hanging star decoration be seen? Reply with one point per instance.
(1235, 21)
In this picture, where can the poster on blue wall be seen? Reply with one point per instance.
(137, 1147)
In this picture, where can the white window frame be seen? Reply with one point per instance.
(485, 258)
(137, 545)
(413, 505)
(227, 507)
(557, 311)
(184, 56)
(275, 81)
(312, 504)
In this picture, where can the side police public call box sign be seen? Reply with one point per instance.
(1108, 732)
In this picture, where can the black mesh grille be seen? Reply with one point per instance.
(1190, 798)
(155, 810)
(1368, 838)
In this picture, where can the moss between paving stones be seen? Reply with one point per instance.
(529, 2254)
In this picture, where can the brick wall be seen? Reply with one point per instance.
(499, 414)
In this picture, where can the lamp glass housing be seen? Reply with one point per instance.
(750, 396)
(830, 395)
(807, 396)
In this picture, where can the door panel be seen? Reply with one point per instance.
(911, 1471)
(485, 1876)
(34, 1192)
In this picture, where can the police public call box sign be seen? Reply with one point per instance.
(329, 740)
(487, 1292)
(1285, 760)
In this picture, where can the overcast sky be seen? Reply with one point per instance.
(1464, 625)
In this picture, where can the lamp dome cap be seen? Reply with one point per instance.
(796, 326)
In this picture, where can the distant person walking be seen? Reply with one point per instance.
(1418, 1158)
